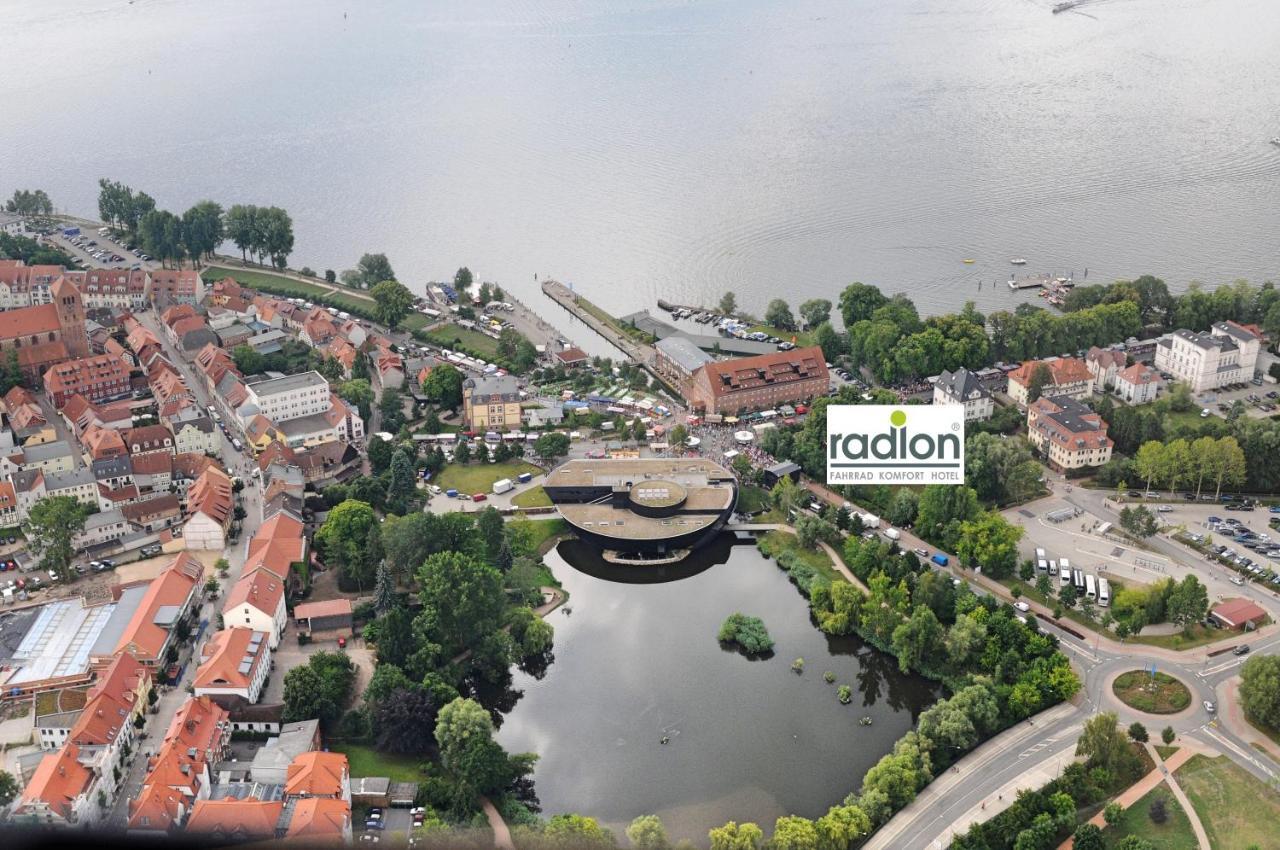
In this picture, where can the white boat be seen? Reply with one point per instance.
(1019, 261)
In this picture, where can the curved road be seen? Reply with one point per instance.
(985, 781)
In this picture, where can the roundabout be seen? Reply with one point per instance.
(1158, 693)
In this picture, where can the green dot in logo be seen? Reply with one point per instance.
(898, 418)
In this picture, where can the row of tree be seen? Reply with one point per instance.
(1183, 463)
(1196, 309)
(29, 203)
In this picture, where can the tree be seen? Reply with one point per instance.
(405, 722)
(52, 522)
(1158, 812)
(202, 229)
(858, 302)
(1150, 461)
(391, 406)
(736, 836)
(319, 689)
(358, 392)
(160, 232)
(392, 302)
(903, 508)
(462, 600)
(1105, 746)
(370, 270)
(380, 452)
(1188, 602)
(464, 735)
(552, 445)
(402, 486)
(9, 787)
(728, 303)
(794, 833)
(1167, 735)
(462, 279)
(28, 204)
(1112, 813)
(443, 385)
(1134, 842)
(1088, 837)
(778, 315)
(1260, 690)
(815, 311)
(942, 508)
(1229, 467)
(239, 227)
(1041, 377)
(646, 832)
(1138, 732)
(344, 538)
(384, 590)
(917, 639)
(248, 360)
(990, 541)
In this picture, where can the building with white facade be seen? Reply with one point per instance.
(1138, 384)
(963, 387)
(1227, 354)
(285, 398)
(234, 663)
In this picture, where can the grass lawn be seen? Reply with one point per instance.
(1166, 695)
(752, 499)
(1236, 809)
(454, 337)
(1199, 636)
(779, 541)
(366, 761)
(277, 285)
(1166, 753)
(479, 477)
(1074, 614)
(535, 497)
(540, 534)
(1174, 834)
(802, 338)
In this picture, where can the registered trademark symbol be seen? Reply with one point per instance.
(955, 426)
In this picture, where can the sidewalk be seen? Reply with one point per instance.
(835, 556)
(1231, 715)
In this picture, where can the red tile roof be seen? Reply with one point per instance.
(327, 608)
(245, 819)
(1237, 612)
(1065, 370)
(173, 587)
(316, 774)
(320, 819)
(220, 660)
(58, 781)
(774, 368)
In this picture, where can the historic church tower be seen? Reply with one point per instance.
(66, 298)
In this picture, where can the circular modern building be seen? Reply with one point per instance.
(644, 509)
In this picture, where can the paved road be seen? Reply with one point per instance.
(989, 776)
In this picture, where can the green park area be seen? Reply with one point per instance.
(1162, 694)
(785, 548)
(534, 497)
(1236, 809)
(479, 477)
(456, 338)
(1172, 832)
(275, 284)
(366, 761)
(752, 499)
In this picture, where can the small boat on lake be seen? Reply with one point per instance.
(1019, 261)
(968, 261)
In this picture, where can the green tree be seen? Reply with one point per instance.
(858, 302)
(384, 590)
(344, 538)
(462, 600)
(358, 392)
(1041, 377)
(1150, 461)
(1112, 813)
(1088, 837)
(401, 489)
(917, 639)
(370, 270)
(736, 836)
(239, 226)
(778, 315)
(9, 788)
(160, 232)
(646, 832)
(1167, 735)
(392, 302)
(728, 303)
(202, 229)
(462, 279)
(942, 509)
(248, 360)
(552, 445)
(443, 385)
(794, 833)
(29, 204)
(1187, 603)
(1105, 745)
(815, 311)
(990, 541)
(405, 722)
(1260, 690)
(1138, 732)
(319, 689)
(902, 510)
(52, 522)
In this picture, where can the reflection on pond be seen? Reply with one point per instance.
(637, 660)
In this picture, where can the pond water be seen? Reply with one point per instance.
(636, 658)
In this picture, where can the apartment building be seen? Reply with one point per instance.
(491, 403)
(759, 383)
(102, 377)
(963, 387)
(287, 397)
(1069, 377)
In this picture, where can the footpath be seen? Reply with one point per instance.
(1161, 773)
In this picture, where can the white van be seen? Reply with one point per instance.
(1040, 555)
(1064, 564)
(1064, 577)
(1042, 565)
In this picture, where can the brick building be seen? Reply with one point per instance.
(99, 378)
(759, 383)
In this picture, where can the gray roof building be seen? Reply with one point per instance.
(683, 353)
(961, 385)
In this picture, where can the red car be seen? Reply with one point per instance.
(342, 643)
(479, 497)
(800, 408)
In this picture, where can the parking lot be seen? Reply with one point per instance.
(89, 241)
(1260, 400)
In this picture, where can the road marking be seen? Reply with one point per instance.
(1246, 756)
(1065, 644)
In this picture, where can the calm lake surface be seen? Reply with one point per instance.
(749, 739)
(667, 148)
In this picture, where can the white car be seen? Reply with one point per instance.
(1210, 707)
(1164, 509)
(1021, 606)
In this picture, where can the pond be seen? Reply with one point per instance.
(636, 659)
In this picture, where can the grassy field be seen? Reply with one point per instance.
(801, 338)
(540, 534)
(277, 285)
(1236, 809)
(1135, 689)
(780, 541)
(535, 497)
(752, 499)
(366, 761)
(479, 477)
(1199, 636)
(453, 337)
(1166, 753)
(1174, 834)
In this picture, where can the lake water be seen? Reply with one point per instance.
(667, 148)
(749, 739)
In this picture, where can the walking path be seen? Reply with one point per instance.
(836, 560)
(1162, 772)
(501, 834)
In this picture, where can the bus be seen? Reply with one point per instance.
(1104, 592)
(1090, 587)
(1077, 578)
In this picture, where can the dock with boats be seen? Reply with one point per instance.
(1053, 288)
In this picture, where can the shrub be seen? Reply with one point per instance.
(1168, 735)
(845, 694)
(747, 632)
(1138, 732)
(1158, 812)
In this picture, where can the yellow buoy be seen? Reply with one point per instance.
(970, 261)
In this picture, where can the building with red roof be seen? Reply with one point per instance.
(234, 665)
(60, 792)
(1068, 376)
(151, 632)
(758, 383)
(210, 510)
(1068, 433)
(234, 819)
(101, 377)
(1238, 614)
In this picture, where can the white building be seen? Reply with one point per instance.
(234, 662)
(1207, 361)
(1138, 384)
(196, 435)
(288, 397)
(963, 387)
(257, 602)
